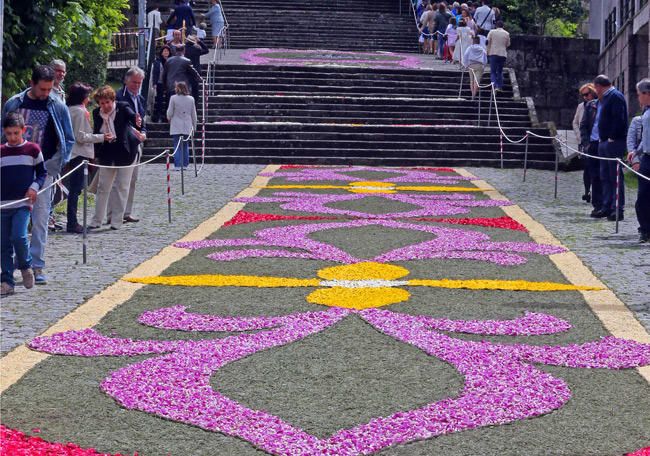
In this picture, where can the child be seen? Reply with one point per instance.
(22, 173)
(452, 36)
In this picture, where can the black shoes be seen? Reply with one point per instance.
(599, 213)
(644, 238)
(612, 217)
(77, 229)
(586, 197)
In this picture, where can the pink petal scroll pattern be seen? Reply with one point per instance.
(430, 205)
(531, 324)
(342, 174)
(450, 243)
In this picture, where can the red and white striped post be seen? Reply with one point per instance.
(618, 192)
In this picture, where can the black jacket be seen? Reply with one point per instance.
(179, 68)
(194, 53)
(587, 122)
(612, 123)
(124, 96)
(123, 150)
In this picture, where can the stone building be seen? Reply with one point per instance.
(621, 26)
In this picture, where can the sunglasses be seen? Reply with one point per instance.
(584, 95)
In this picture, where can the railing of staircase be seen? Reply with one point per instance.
(125, 46)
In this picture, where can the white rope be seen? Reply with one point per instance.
(45, 188)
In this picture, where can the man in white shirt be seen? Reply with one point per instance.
(484, 18)
(498, 42)
(154, 20)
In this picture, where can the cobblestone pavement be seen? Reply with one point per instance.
(111, 254)
(617, 259)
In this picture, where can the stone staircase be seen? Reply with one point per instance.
(280, 114)
(312, 24)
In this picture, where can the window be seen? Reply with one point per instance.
(642, 3)
(610, 26)
(627, 10)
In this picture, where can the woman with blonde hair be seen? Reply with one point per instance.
(587, 94)
(121, 129)
(182, 121)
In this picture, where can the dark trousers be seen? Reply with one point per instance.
(496, 70)
(586, 178)
(593, 165)
(643, 197)
(159, 108)
(75, 185)
(614, 149)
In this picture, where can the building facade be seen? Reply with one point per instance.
(621, 26)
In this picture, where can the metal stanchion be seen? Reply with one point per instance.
(479, 106)
(169, 191)
(525, 159)
(618, 193)
(557, 164)
(196, 172)
(460, 88)
(84, 238)
(180, 143)
(501, 148)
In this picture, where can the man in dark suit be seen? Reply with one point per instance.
(612, 131)
(179, 68)
(130, 94)
(589, 140)
(182, 16)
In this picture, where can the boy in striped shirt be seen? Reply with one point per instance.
(22, 173)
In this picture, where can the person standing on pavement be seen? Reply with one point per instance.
(48, 125)
(78, 99)
(130, 94)
(22, 175)
(120, 126)
(612, 131)
(498, 42)
(182, 121)
(589, 139)
(587, 93)
(640, 159)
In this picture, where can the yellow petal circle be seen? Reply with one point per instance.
(358, 298)
(372, 187)
(363, 271)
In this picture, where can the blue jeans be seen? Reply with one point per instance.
(14, 239)
(496, 70)
(643, 197)
(441, 45)
(182, 156)
(614, 149)
(40, 216)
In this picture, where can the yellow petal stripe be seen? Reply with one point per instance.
(358, 298)
(382, 189)
(515, 285)
(216, 280)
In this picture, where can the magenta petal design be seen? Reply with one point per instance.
(501, 385)
(430, 205)
(341, 174)
(450, 243)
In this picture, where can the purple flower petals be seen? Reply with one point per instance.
(450, 243)
(430, 205)
(402, 175)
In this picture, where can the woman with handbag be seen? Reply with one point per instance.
(120, 125)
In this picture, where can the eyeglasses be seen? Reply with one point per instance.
(585, 95)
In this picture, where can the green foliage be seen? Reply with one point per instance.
(543, 17)
(78, 32)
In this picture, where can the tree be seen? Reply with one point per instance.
(38, 31)
(539, 17)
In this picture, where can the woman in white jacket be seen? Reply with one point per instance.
(182, 122)
(83, 149)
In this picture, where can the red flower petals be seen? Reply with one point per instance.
(642, 452)
(252, 217)
(16, 443)
(504, 222)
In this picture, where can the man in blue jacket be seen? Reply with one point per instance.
(612, 131)
(48, 125)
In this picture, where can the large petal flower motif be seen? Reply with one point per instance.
(450, 243)
(502, 384)
(430, 205)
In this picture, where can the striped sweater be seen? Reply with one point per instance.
(21, 168)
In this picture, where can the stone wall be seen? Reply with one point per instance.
(550, 70)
